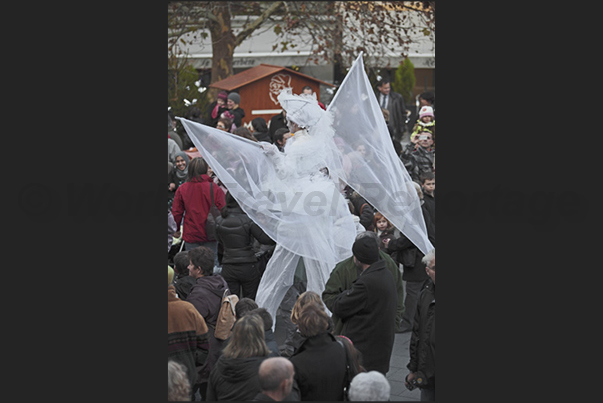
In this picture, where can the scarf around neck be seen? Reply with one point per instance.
(181, 174)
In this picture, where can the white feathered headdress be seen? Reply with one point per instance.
(302, 109)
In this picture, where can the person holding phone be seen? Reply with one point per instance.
(418, 156)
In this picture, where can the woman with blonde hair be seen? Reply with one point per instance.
(235, 375)
(304, 299)
(294, 338)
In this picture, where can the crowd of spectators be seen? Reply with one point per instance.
(341, 340)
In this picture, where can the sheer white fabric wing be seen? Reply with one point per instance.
(292, 212)
(379, 175)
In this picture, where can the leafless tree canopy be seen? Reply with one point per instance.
(337, 30)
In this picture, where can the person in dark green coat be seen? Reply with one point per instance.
(368, 308)
(346, 272)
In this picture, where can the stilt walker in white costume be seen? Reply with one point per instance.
(294, 196)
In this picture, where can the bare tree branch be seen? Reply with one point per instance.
(241, 36)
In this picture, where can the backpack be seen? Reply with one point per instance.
(226, 316)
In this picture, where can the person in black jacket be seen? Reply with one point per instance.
(362, 209)
(368, 309)
(403, 251)
(235, 375)
(236, 232)
(422, 340)
(428, 188)
(183, 282)
(394, 103)
(232, 103)
(276, 122)
(320, 361)
(260, 130)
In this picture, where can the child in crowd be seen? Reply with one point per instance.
(384, 229)
(217, 108)
(426, 121)
(225, 124)
(428, 186)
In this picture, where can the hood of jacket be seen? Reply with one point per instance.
(234, 370)
(212, 282)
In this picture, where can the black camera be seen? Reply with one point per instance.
(419, 381)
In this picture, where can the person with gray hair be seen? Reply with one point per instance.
(179, 389)
(422, 340)
(370, 386)
(276, 379)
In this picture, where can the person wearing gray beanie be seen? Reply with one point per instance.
(232, 103)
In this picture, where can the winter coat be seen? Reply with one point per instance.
(368, 313)
(239, 114)
(422, 339)
(342, 278)
(187, 334)
(236, 233)
(388, 233)
(203, 297)
(210, 119)
(417, 159)
(194, 199)
(234, 379)
(405, 252)
(208, 303)
(276, 122)
(262, 136)
(320, 368)
(271, 342)
(364, 210)
(429, 203)
(420, 126)
(184, 283)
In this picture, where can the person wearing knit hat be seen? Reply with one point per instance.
(366, 251)
(426, 121)
(223, 95)
(368, 309)
(216, 108)
(232, 103)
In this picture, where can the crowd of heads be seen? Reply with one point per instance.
(247, 339)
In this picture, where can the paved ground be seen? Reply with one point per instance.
(397, 371)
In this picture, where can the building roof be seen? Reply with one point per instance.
(256, 73)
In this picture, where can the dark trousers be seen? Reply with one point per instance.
(413, 288)
(242, 279)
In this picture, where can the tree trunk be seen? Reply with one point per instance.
(223, 45)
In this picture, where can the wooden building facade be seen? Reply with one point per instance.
(259, 87)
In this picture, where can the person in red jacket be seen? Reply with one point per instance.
(192, 201)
